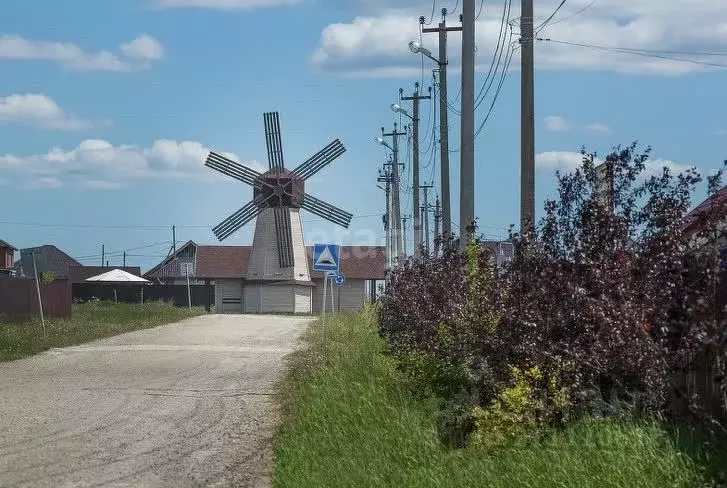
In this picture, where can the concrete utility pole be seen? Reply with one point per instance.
(437, 218)
(527, 119)
(124, 259)
(443, 61)
(467, 165)
(103, 254)
(403, 221)
(415, 98)
(396, 206)
(425, 216)
(385, 177)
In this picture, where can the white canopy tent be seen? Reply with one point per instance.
(120, 277)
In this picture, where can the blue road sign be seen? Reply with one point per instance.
(326, 257)
(339, 280)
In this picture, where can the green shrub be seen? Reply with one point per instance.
(534, 402)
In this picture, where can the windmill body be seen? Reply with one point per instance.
(278, 276)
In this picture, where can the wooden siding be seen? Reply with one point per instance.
(303, 299)
(264, 262)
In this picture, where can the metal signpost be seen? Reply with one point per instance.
(326, 258)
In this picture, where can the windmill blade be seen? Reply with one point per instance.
(235, 221)
(326, 210)
(284, 234)
(273, 140)
(320, 160)
(228, 167)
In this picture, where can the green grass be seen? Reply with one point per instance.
(349, 422)
(88, 321)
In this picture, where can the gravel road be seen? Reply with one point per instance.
(183, 405)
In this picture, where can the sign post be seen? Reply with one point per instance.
(326, 258)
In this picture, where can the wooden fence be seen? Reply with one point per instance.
(19, 299)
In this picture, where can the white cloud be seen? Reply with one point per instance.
(221, 4)
(376, 44)
(144, 47)
(72, 56)
(598, 127)
(38, 110)
(566, 161)
(556, 123)
(46, 183)
(99, 164)
(722, 132)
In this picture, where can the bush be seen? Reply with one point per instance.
(605, 301)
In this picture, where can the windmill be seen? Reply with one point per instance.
(278, 196)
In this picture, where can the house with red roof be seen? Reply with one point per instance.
(225, 268)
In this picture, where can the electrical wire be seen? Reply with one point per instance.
(454, 9)
(496, 58)
(578, 12)
(482, 5)
(638, 52)
(543, 24)
(497, 92)
(431, 17)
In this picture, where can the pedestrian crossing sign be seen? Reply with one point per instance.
(326, 257)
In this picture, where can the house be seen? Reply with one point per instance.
(226, 266)
(48, 259)
(502, 253)
(7, 254)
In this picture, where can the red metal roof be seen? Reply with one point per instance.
(216, 262)
(694, 220)
(358, 262)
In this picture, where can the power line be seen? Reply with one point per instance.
(511, 53)
(578, 12)
(543, 24)
(496, 57)
(482, 5)
(434, 7)
(638, 52)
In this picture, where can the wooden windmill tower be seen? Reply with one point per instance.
(278, 275)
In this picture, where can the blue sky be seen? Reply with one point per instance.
(107, 109)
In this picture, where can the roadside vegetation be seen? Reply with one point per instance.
(88, 321)
(597, 358)
(351, 419)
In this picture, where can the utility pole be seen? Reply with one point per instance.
(416, 98)
(385, 177)
(443, 61)
(527, 119)
(467, 145)
(174, 239)
(395, 203)
(37, 289)
(124, 259)
(426, 188)
(403, 220)
(437, 218)
(103, 254)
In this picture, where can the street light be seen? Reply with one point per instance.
(417, 48)
(382, 142)
(397, 109)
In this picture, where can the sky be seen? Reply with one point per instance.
(108, 109)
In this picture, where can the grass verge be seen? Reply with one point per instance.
(350, 422)
(88, 321)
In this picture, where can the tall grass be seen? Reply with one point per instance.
(88, 321)
(349, 422)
